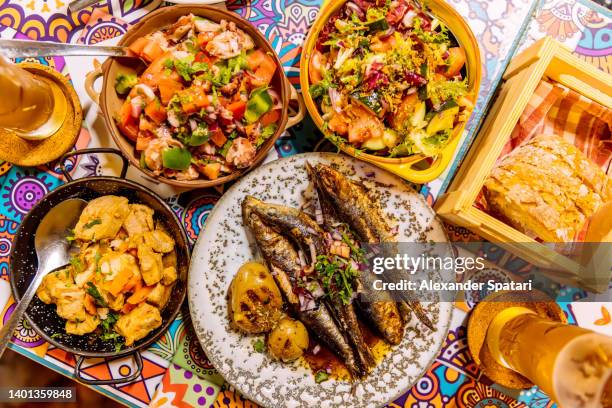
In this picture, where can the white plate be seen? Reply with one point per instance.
(224, 245)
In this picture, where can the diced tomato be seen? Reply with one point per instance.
(217, 137)
(270, 117)
(204, 38)
(151, 51)
(255, 59)
(210, 170)
(193, 99)
(316, 66)
(168, 87)
(338, 123)
(262, 68)
(137, 46)
(456, 61)
(156, 111)
(126, 122)
(237, 108)
(143, 140)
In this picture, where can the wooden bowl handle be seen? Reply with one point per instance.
(90, 79)
(296, 117)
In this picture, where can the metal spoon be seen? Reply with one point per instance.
(25, 49)
(52, 252)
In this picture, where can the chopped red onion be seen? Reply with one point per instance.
(136, 105)
(316, 349)
(355, 8)
(387, 33)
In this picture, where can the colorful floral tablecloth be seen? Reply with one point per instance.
(176, 372)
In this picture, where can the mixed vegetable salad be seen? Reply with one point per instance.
(388, 79)
(204, 105)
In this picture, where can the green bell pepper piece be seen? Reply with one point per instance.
(259, 103)
(176, 158)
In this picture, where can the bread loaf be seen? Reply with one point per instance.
(547, 189)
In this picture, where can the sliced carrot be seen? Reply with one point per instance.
(140, 295)
(134, 283)
(90, 305)
(127, 308)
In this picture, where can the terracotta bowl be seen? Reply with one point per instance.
(409, 168)
(110, 102)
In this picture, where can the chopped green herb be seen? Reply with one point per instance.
(95, 221)
(93, 291)
(321, 376)
(266, 132)
(76, 264)
(56, 335)
(336, 276)
(259, 346)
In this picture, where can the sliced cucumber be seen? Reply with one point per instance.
(418, 118)
(374, 143)
(370, 101)
(378, 25)
(442, 120)
(390, 138)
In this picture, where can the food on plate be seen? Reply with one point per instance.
(316, 263)
(122, 276)
(547, 188)
(204, 105)
(389, 79)
(254, 299)
(288, 340)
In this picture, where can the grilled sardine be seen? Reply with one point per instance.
(309, 236)
(283, 261)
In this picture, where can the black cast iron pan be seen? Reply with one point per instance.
(23, 264)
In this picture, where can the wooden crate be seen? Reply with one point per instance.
(546, 59)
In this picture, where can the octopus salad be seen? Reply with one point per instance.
(204, 105)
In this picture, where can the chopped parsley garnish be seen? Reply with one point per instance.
(259, 346)
(265, 134)
(336, 276)
(76, 264)
(95, 221)
(93, 291)
(321, 376)
(56, 335)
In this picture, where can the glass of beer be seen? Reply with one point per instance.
(33, 107)
(571, 364)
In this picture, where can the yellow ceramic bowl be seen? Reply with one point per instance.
(405, 167)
